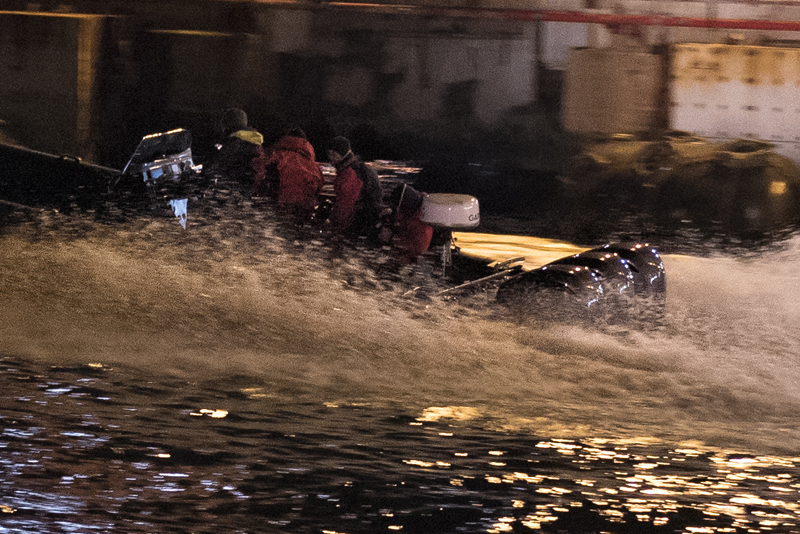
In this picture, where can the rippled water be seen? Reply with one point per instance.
(228, 379)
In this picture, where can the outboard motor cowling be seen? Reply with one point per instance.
(553, 288)
(649, 275)
(162, 170)
(163, 159)
(617, 273)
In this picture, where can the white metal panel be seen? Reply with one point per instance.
(610, 91)
(692, 108)
(737, 91)
(558, 39)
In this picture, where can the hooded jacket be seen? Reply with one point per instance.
(242, 158)
(356, 210)
(299, 175)
(412, 236)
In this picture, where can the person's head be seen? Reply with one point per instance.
(233, 120)
(406, 200)
(338, 149)
(297, 132)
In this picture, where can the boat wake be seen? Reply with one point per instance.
(237, 300)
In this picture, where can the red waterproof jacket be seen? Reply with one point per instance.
(347, 188)
(299, 175)
(357, 208)
(413, 237)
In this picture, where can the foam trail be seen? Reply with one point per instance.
(306, 326)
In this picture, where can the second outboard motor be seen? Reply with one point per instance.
(163, 162)
(617, 274)
(554, 292)
(616, 282)
(162, 170)
(648, 269)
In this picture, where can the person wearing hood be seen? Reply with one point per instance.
(297, 173)
(241, 155)
(357, 207)
(412, 237)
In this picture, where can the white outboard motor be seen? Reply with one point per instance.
(447, 212)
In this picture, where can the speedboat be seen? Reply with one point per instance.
(539, 276)
(535, 274)
(527, 273)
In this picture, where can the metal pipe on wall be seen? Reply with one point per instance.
(545, 15)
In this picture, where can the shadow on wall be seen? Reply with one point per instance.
(154, 80)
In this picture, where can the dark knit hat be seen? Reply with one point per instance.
(233, 119)
(340, 145)
(297, 132)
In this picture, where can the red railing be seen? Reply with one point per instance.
(586, 17)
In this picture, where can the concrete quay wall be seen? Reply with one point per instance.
(92, 79)
(49, 65)
(92, 85)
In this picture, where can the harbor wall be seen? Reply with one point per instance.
(92, 85)
(50, 72)
(401, 81)
(721, 92)
(616, 90)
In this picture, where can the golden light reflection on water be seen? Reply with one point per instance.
(538, 481)
(624, 486)
(214, 414)
(254, 393)
(457, 413)
(628, 486)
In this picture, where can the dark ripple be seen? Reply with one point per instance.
(364, 470)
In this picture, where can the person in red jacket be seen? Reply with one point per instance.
(357, 207)
(412, 237)
(299, 176)
(241, 157)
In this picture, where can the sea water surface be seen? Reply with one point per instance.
(227, 378)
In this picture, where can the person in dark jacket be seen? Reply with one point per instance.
(241, 157)
(357, 207)
(412, 237)
(297, 173)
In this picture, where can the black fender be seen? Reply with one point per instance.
(618, 282)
